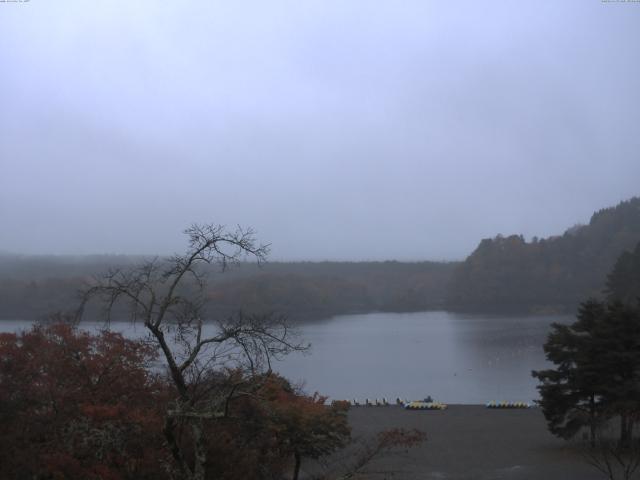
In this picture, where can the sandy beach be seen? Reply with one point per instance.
(472, 442)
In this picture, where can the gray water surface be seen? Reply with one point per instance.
(455, 358)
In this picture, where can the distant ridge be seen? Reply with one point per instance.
(546, 275)
(503, 274)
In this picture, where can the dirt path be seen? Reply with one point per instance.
(472, 442)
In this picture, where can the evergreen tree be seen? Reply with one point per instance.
(617, 341)
(623, 283)
(571, 392)
(597, 374)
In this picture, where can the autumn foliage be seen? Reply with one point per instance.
(79, 406)
(302, 425)
(76, 405)
(269, 428)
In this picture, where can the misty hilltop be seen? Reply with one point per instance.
(548, 274)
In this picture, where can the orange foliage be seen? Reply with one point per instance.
(79, 406)
(270, 427)
(76, 405)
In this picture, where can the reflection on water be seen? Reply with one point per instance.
(454, 358)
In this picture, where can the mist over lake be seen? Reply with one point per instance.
(285, 205)
(455, 358)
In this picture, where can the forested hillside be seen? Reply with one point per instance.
(552, 274)
(503, 274)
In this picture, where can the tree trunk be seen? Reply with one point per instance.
(200, 450)
(592, 420)
(296, 468)
(625, 431)
(169, 434)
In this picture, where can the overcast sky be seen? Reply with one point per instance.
(337, 129)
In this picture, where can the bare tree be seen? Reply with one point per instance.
(615, 460)
(385, 442)
(168, 297)
(355, 461)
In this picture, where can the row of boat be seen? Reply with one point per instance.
(426, 404)
(429, 404)
(508, 405)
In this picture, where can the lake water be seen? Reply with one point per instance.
(455, 358)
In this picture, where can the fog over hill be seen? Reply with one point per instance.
(505, 273)
(547, 274)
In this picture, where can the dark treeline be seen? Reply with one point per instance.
(546, 275)
(506, 273)
(316, 290)
(33, 286)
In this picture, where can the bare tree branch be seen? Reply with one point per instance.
(168, 294)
